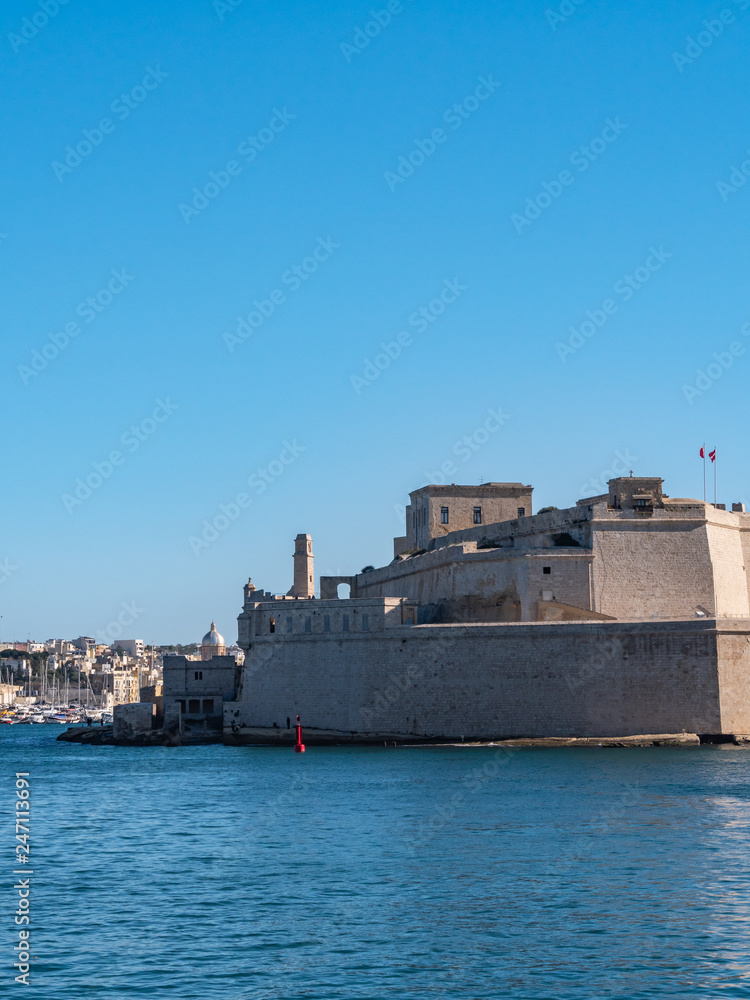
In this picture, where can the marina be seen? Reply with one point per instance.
(53, 715)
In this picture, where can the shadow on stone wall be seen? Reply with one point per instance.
(503, 606)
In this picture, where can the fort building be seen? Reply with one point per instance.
(628, 613)
(630, 554)
(438, 511)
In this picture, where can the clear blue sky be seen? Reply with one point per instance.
(317, 124)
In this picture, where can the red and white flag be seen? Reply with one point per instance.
(703, 452)
(712, 455)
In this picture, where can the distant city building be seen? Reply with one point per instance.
(86, 644)
(212, 644)
(9, 693)
(60, 646)
(133, 647)
(13, 665)
(122, 683)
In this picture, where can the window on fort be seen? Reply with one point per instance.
(289, 625)
(308, 624)
(194, 706)
(547, 570)
(199, 675)
(272, 625)
(326, 623)
(208, 706)
(522, 512)
(477, 515)
(345, 623)
(443, 515)
(365, 623)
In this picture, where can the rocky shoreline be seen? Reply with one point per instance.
(104, 736)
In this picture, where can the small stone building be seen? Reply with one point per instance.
(199, 688)
(435, 511)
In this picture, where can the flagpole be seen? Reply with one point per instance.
(715, 467)
(703, 452)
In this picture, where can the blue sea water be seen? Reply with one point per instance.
(233, 873)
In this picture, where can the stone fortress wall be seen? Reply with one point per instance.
(624, 615)
(454, 682)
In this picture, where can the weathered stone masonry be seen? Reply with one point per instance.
(486, 681)
(626, 614)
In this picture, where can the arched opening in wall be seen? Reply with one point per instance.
(343, 591)
(272, 625)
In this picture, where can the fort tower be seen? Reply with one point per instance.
(304, 579)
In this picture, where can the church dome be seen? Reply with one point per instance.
(212, 638)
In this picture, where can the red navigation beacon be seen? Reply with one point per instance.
(299, 746)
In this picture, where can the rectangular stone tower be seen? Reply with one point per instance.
(304, 579)
(436, 511)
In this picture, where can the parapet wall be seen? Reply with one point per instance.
(473, 582)
(492, 681)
